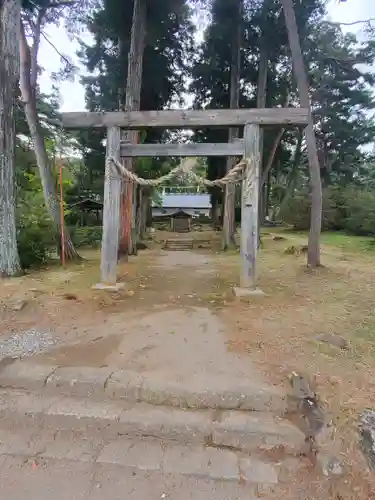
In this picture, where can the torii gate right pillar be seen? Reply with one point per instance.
(249, 214)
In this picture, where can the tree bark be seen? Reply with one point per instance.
(143, 215)
(146, 205)
(271, 156)
(261, 103)
(9, 74)
(293, 176)
(132, 103)
(229, 226)
(28, 91)
(139, 212)
(313, 254)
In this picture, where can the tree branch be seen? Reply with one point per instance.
(363, 21)
(271, 156)
(34, 49)
(25, 66)
(64, 58)
(53, 5)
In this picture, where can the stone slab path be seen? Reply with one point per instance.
(70, 480)
(36, 464)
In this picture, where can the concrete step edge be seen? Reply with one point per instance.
(146, 454)
(244, 431)
(203, 391)
(169, 247)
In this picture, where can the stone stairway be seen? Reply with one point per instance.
(178, 244)
(210, 428)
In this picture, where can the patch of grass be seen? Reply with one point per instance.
(345, 242)
(349, 242)
(366, 330)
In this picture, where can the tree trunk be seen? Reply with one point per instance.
(268, 197)
(48, 181)
(271, 156)
(215, 213)
(293, 176)
(229, 226)
(132, 103)
(9, 74)
(261, 103)
(28, 92)
(143, 215)
(139, 213)
(313, 254)
(146, 206)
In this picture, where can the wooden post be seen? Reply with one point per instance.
(249, 212)
(111, 214)
(62, 218)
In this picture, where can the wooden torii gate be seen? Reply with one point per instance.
(249, 148)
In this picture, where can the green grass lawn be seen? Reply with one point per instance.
(345, 242)
(349, 242)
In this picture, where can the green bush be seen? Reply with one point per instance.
(36, 235)
(360, 217)
(296, 211)
(87, 236)
(348, 209)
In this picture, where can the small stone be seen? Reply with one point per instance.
(292, 250)
(70, 296)
(329, 465)
(19, 305)
(279, 238)
(335, 380)
(110, 288)
(332, 339)
(241, 292)
(129, 293)
(36, 290)
(141, 246)
(367, 431)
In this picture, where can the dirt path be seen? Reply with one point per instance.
(60, 303)
(177, 335)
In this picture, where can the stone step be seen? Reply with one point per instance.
(244, 431)
(177, 249)
(201, 391)
(178, 244)
(186, 241)
(171, 244)
(140, 454)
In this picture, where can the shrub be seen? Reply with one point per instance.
(350, 209)
(36, 235)
(296, 211)
(360, 217)
(86, 236)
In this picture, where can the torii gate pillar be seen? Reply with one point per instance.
(249, 214)
(111, 216)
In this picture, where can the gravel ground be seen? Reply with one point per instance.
(27, 343)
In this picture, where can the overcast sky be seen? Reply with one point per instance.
(73, 93)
